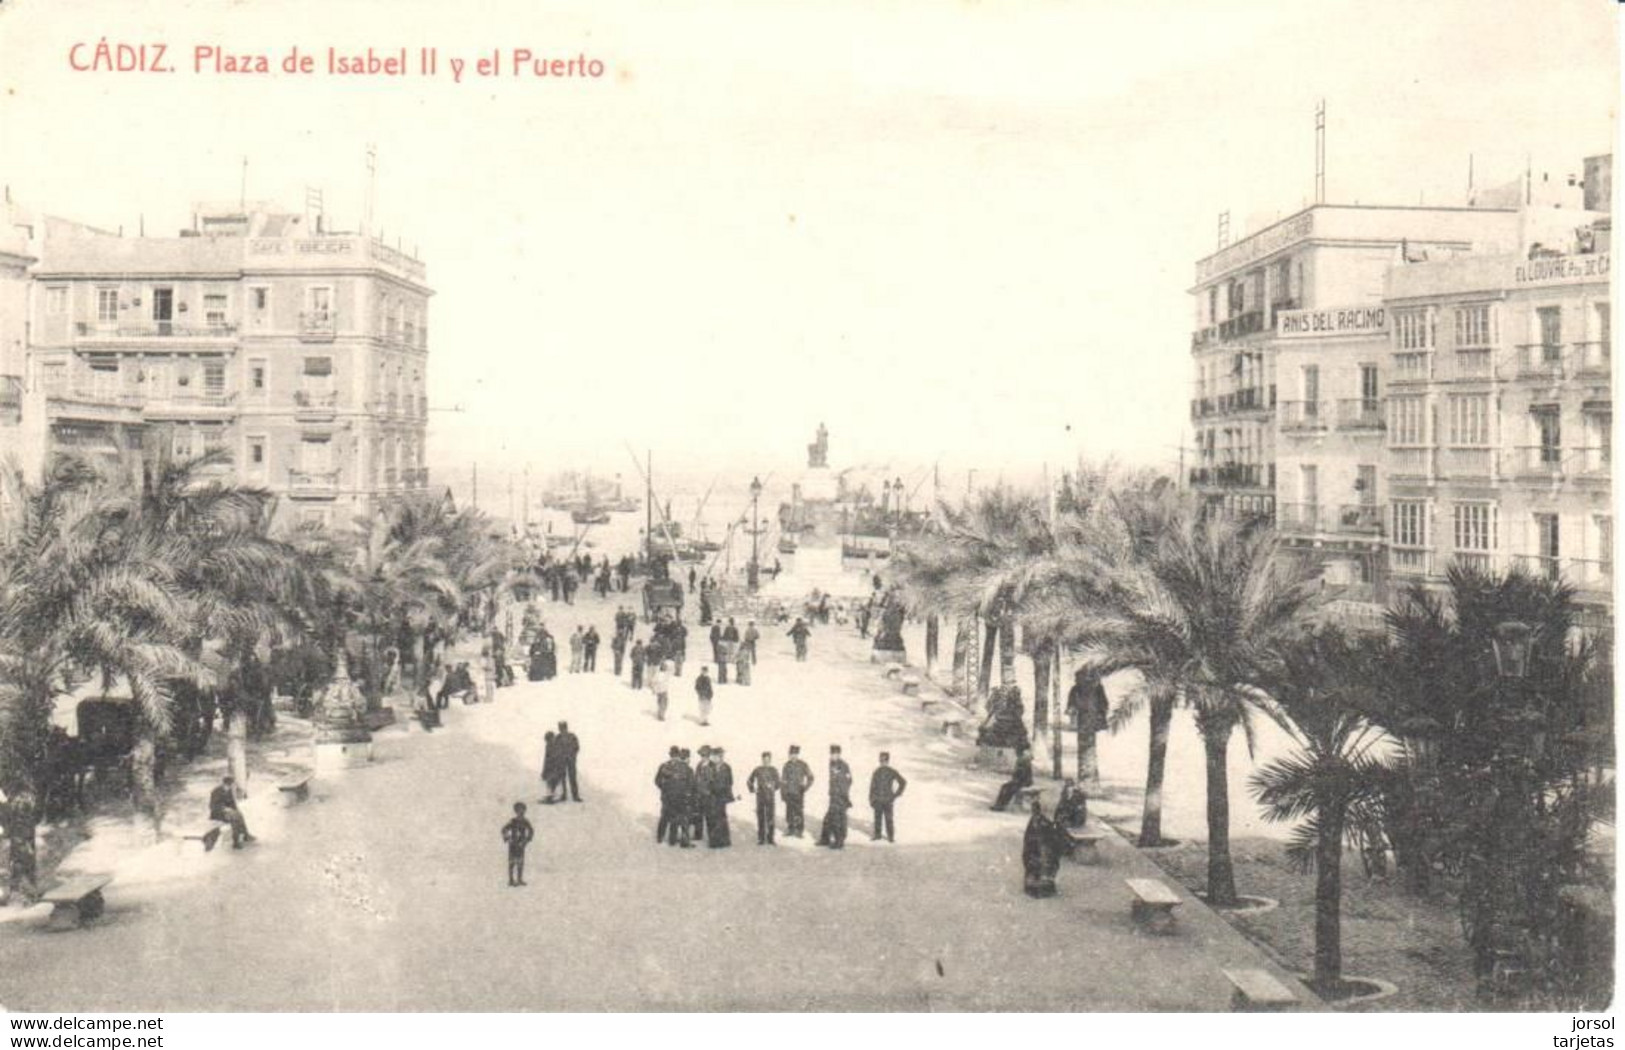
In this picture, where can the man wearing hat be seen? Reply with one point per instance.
(673, 779)
(700, 801)
(223, 807)
(764, 783)
(722, 793)
(794, 783)
(833, 833)
(885, 788)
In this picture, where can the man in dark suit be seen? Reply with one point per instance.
(886, 786)
(722, 795)
(223, 807)
(675, 781)
(794, 783)
(833, 833)
(569, 747)
(1022, 777)
(700, 803)
(764, 784)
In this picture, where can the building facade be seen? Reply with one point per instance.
(1398, 389)
(301, 353)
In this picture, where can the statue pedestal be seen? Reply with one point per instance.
(888, 656)
(995, 759)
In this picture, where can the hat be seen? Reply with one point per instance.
(835, 749)
(705, 749)
(675, 751)
(795, 749)
(885, 756)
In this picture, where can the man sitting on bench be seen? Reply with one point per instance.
(223, 807)
(1022, 777)
(1072, 809)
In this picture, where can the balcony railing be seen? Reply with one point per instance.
(1593, 358)
(11, 393)
(220, 401)
(1410, 462)
(1585, 574)
(1410, 561)
(1359, 413)
(1412, 366)
(90, 330)
(1232, 475)
(1540, 461)
(1467, 462)
(318, 326)
(1304, 518)
(1476, 363)
(315, 398)
(1303, 415)
(1359, 517)
(1241, 325)
(313, 481)
(1540, 361)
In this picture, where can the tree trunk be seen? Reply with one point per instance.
(1058, 744)
(1221, 873)
(933, 629)
(237, 743)
(144, 776)
(21, 819)
(990, 648)
(961, 673)
(1043, 664)
(1161, 715)
(1007, 652)
(1329, 900)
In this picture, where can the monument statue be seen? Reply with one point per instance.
(818, 451)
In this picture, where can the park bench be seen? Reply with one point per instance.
(1085, 845)
(208, 834)
(1025, 797)
(911, 684)
(295, 789)
(1257, 991)
(892, 671)
(929, 704)
(953, 727)
(1154, 904)
(76, 901)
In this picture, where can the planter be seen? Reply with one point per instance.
(1354, 992)
(1245, 904)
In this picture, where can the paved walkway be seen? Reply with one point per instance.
(386, 891)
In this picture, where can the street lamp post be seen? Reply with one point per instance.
(755, 532)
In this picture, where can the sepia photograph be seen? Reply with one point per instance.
(990, 507)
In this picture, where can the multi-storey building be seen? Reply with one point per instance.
(1500, 415)
(299, 351)
(1288, 357)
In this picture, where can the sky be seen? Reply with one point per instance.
(953, 232)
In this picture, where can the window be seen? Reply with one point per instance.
(1365, 483)
(1213, 305)
(53, 377)
(1605, 542)
(1548, 545)
(318, 366)
(163, 308)
(1548, 424)
(214, 310)
(56, 299)
(1410, 523)
(1601, 314)
(214, 378)
(1550, 320)
(1368, 388)
(319, 300)
(256, 452)
(1473, 326)
(315, 517)
(1413, 329)
(1407, 421)
(1470, 419)
(1599, 428)
(182, 444)
(107, 305)
(260, 297)
(1475, 525)
(256, 376)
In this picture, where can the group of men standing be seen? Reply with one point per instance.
(694, 800)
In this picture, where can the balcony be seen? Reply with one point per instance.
(1300, 518)
(1540, 462)
(1592, 359)
(91, 406)
(1363, 518)
(1203, 336)
(1587, 575)
(1201, 406)
(1412, 464)
(1249, 323)
(1302, 415)
(317, 326)
(1467, 463)
(415, 477)
(1541, 362)
(217, 405)
(313, 484)
(315, 404)
(1410, 561)
(1359, 413)
(1412, 366)
(1476, 363)
(1280, 305)
(1233, 475)
(109, 331)
(11, 398)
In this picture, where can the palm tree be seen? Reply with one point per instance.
(80, 591)
(1331, 785)
(1200, 603)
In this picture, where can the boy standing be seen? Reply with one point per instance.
(517, 833)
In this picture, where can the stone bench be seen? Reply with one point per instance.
(208, 834)
(295, 789)
(1258, 991)
(892, 671)
(953, 727)
(76, 901)
(1085, 845)
(1025, 797)
(1154, 904)
(911, 684)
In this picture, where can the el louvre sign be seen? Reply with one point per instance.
(1331, 320)
(1265, 242)
(1561, 269)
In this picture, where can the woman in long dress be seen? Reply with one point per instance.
(550, 657)
(1040, 853)
(551, 770)
(536, 671)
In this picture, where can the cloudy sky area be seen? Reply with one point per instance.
(959, 231)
